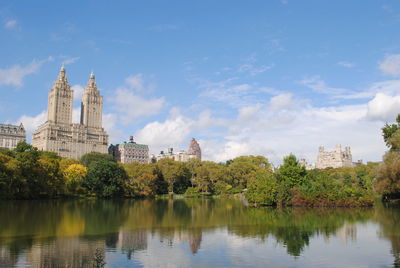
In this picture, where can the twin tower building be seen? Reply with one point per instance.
(58, 134)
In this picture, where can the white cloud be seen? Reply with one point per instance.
(170, 133)
(253, 70)
(78, 91)
(319, 85)
(130, 106)
(116, 135)
(69, 60)
(383, 107)
(135, 82)
(10, 24)
(346, 64)
(14, 75)
(31, 123)
(391, 65)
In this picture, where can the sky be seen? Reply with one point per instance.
(268, 77)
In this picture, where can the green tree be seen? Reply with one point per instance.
(290, 174)
(263, 189)
(89, 158)
(142, 180)
(105, 179)
(243, 169)
(391, 134)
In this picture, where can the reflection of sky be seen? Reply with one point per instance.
(220, 248)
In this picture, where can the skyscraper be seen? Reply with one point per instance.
(58, 134)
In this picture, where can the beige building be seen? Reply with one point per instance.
(194, 152)
(335, 159)
(58, 134)
(11, 135)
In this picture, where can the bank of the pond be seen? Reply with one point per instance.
(26, 173)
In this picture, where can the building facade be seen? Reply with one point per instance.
(194, 152)
(11, 135)
(58, 134)
(129, 152)
(335, 159)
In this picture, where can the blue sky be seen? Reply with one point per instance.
(243, 77)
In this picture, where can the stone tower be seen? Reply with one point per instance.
(194, 148)
(92, 105)
(60, 100)
(58, 134)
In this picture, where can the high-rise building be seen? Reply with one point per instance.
(11, 135)
(58, 134)
(129, 152)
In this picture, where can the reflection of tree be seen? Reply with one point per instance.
(389, 219)
(68, 232)
(294, 227)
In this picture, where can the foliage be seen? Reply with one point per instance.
(263, 190)
(142, 180)
(74, 174)
(105, 179)
(388, 177)
(89, 158)
(391, 134)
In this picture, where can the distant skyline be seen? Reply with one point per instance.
(242, 77)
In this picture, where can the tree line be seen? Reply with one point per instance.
(26, 173)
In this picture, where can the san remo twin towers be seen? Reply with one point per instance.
(58, 134)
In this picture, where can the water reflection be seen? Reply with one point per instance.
(192, 232)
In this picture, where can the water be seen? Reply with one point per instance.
(194, 233)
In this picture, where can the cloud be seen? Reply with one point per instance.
(346, 64)
(170, 133)
(15, 75)
(78, 91)
(115, 134)
(31, 123)
(319, 85)
(390, 65)
(10, 24)
(252, 70)
(383, 107)
(135, 82)
(129, 106)
(69, 60)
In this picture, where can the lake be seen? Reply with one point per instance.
(194, 233)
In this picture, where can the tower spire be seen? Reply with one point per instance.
(61, 75)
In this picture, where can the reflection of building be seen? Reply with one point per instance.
(334, 159)
(194, 152)
(11, 135)
(7, 259)
(195, 241)
(131, 241)
(347, 232)
(58, 134)
(64, 252)
(129, 152)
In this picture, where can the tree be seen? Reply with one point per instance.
(289, 175)
(174, 173)
(142, 180)
(262, 190)
(74, 174)
(243, 169)
(105, 179)
(89, 158)
(391, 134)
